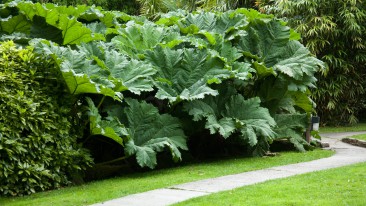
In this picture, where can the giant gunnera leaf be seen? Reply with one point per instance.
(80, 73)
(109, 127)
(98, 69)
(292, 127)
(230, 112)
(183, 74)
(150, 132)
(135, 39)
(269, 46)
(58, 24)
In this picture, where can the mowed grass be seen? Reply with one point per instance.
(353, 128)
(360, 136)
(139, 182)
(341, 186)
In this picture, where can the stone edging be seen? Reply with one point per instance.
(355, 142)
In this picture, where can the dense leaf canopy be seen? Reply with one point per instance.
(240, 74)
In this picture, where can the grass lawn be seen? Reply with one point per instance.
(341, 186)
(354, 128)
(139, 182)
(360, 136)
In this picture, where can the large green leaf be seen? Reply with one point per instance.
(130, 74)
(292, 127)
(184, 73)
(48, 21)
(297, 63)
(252, 120)
(276, 96)
(265, 40)
(202, 21)
(74, 32)
(151, 132)
(111, 127)
(223, 23)
(40, 29)
(230, 112)
(13, 24)
(268, 44)
(135, 38)
(80, 73)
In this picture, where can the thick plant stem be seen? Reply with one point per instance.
(101, 102)
(111, 161)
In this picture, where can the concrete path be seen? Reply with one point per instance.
(345, 155)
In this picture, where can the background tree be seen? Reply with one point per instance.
(151, 8)
(127, 6)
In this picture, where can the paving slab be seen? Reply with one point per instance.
(233, 181)
(345, 155)
(159, 197)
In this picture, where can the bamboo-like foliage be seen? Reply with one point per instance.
(336, 32)
(151, 8)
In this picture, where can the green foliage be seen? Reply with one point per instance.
(292, 126)
(140, 129)
(149, 132)
(38, 148)
(127, 6)
(156, 7)
(109, 127)
(183, 73)
(60, 24)
(147, 85)
(334, 31)
(229, 113)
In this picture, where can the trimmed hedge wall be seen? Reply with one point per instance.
(37, 151)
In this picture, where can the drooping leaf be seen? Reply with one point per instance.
(231, 22)
(297, 61)
(253, 120)
(74, 32)
(82, 76)
(17, 23)
(111, 128)
(151, 132)
(92, 14)
(97, 27)
(230, 112)
(303, 101)
(52, 20)
(265, 40)
(292, 127)
(80, 73)
(268, 44)
(40, 29)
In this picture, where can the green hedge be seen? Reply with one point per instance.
(37, 151)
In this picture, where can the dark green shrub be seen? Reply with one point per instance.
(37, 151)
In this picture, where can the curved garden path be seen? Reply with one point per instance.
(345, 155)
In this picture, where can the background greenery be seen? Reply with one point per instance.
(141, 92)
(336, 32)
(116, 65)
